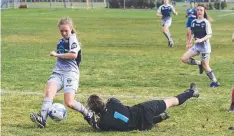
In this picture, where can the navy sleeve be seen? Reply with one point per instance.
(103, 127)
(113, 100)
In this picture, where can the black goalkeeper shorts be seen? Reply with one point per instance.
(143, 113)
(152, 109)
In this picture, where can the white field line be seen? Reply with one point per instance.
(84, 95)
(225, 15)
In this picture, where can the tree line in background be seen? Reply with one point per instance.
(150, 4)
(216, 5)
(139, 4)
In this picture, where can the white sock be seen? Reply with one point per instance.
(81, 108)
(46, 104)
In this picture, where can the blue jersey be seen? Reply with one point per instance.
(191, 13)
(165, 10)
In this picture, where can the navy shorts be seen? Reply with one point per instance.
(143, 114)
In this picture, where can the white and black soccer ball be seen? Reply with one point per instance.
(57, 112)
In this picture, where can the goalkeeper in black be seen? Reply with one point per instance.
(114, 116)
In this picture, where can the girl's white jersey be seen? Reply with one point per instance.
(70, 45)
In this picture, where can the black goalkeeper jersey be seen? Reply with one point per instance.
(115, 117)
(119, 117)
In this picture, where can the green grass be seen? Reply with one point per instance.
(124, 53)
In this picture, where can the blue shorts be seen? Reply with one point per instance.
(189, 22)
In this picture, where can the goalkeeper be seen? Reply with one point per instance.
(113, 115)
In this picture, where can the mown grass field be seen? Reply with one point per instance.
(124, 53)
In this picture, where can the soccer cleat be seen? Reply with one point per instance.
(91, 119)
(214, 84)
(37, 118)
(231, 128)
(231, 109)
(170, 43)
(200, 69)
(193, 87)
(88, 119)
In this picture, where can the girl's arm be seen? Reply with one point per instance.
(203, 39)
(69, 55)
(174, 11)
(159, 14)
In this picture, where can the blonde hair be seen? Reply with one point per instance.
(67, 21)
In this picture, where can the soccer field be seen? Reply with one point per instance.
(124, 54)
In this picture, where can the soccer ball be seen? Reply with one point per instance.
(57, 112)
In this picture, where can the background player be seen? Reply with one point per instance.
(164, 11)
(191, 15)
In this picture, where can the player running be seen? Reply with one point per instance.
(202, 32)
(191, 15)
(164, 11)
